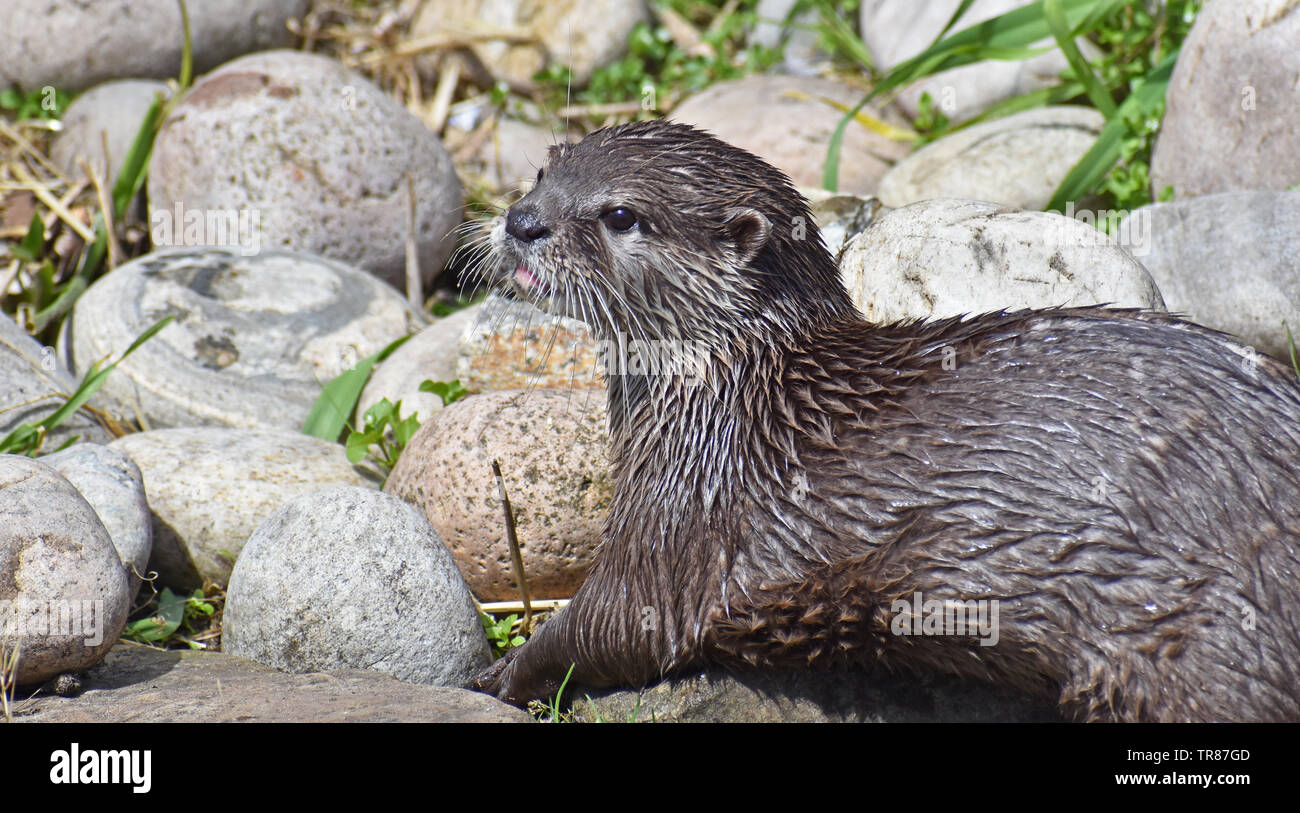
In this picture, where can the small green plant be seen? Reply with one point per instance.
(500, 632)
(551, 709)
(174, 613)
(386, 431)
(930, 120)
(29, 437)
(46, 103)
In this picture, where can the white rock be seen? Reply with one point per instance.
(210, 488)
(64, 594)
(112, 484)
(1230, 261)
(429, 355)
(254, 341)
(33, 384)
(74, 44)
(112, 111)
(951, 257)
(1017, 161)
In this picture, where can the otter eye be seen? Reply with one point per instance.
(619, 219)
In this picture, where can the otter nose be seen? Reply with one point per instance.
(524, 224)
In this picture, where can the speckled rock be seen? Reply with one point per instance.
(112, 484)
(349, 578)
(951, 257)
(74, 44)
(514, 345)
(553, 448)
(34, 382)
(897, 30)
(210, 488)
(841, 217)
(1233, 104)
(1230, 261)
(319, 154)
(429, 355)
(140, 684)
(254, 341)
(871, 694)
(1017, 161)
(582, 34)
(796, 130)
(113, 110)
(64, 594)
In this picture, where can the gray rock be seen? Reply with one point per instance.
(1233, 104)
(254, 341)
(951, 257)
(429, 355)
(75, 44)
(311, 153)
(1017, 161)
(210, 488)
(514, 345)
(112, 484)
(139, 684)
(841, 217)
(582, 34)
(33, 384)
(798, 129)
(897, 30)
(64, 594)
(349, 578)
(113, 110)
(1230, 261)
(553, 447)
(872, 694)
(512, 154)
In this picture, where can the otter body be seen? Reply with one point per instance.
(1125, 485)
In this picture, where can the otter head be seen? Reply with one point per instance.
(658, 230)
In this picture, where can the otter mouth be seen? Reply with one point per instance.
(532, 288)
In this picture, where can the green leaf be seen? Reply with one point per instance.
(1094, 165)
(32, 243)
(358, 444)
(333, 408)
(10, 99)
(159, 627)
(1055, 15)
(448, 391)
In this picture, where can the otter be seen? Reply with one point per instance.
(1124, 484)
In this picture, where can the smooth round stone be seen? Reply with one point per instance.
(796, 128)
(581, 34)
(314, 157)
(33, 384)
(349, 578)
(254, 340)
(429, 355)
(74, 44)
(799, 41)
(1017, 161)
(1230, 261)
(64, 594)
(553, 448)
(514, 345)
(1233, 104)
(952, 257)
(112, 484)
(510, 157)
(112, 111)
(897, 30)
(209, 489)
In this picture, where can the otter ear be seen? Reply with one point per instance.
(748, 230)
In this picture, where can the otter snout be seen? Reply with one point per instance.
(525, 224)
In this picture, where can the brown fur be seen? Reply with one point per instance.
(1124, 483)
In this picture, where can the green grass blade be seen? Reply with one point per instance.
(1043, 97)
(94, 378)
(187, 49)
(956, 16)
(333, 408)
(848, 42)
(135, 165)
(1094, 165)
(1100, 98)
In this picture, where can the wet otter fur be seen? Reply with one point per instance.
(1125, 483)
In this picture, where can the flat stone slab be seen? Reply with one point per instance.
(139, 684)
